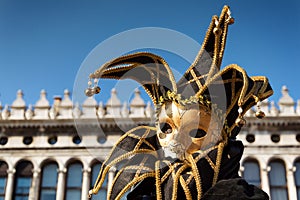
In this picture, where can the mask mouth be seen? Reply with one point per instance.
(175, 150)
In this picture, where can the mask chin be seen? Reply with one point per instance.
(174, 150)
(169, 153)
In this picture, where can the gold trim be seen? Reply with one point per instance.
(186, 190)
(196, 176)
(158, 181)
(196, 78)
(218, 162)
(133, 182)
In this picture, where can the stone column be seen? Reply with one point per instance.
(61, 184)
(34, 189)
(85, 183)
(264, 170)
(9, 184)
(292, 192)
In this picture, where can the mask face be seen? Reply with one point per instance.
(185, 130)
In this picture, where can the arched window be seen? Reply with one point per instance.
(297, 177)
(74, 181)
(49, 181)
(23, 180)
(103, 191)
(252, 172)
(277, 180)
(3, 178)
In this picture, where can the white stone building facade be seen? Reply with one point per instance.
(55, 151)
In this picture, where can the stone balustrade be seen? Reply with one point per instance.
(64, 108)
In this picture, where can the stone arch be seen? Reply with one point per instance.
(4, 162)
(296, 173)
(249, 158)
(48, 178)
(24, 160)
(297, 159)
(29, 159)
(94, 161)
(74, 160)
(48, 160)
(23, 178)
(278, 177)
(74, 177)
(277, 158)
(3, 177)
(251, 170)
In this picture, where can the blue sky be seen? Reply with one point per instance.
(44, 43)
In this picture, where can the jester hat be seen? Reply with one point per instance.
(230, 90)
(200, 79)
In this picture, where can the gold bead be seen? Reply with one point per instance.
(217, 31)
(89, 92)
(260, 114)
(240, 121)
(230, 21)
(96, 90)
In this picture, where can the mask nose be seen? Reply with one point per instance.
(174, 147)
(176, 136)
(177, 139)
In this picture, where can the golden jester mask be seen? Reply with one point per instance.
(183, 130)
(197, 119)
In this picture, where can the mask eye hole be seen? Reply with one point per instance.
(165, 128)
(197, 133)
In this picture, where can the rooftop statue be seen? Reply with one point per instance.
(192, 152)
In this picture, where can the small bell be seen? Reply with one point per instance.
(96, 90)
(260, 114)
(230, 21)
(240, 121)
(89, 92)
